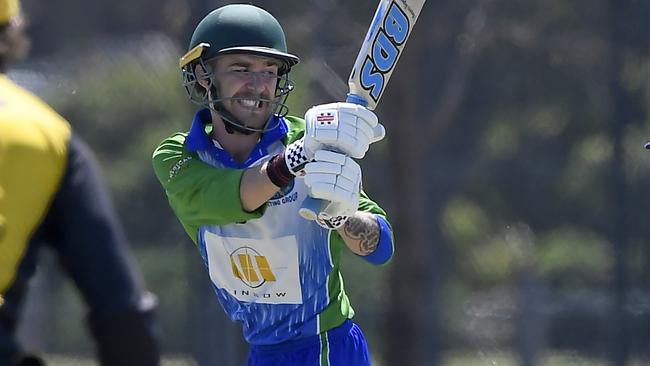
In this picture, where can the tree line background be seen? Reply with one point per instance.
(513, 172)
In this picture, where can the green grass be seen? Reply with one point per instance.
(57, 360)
(452, 358)
(495, 358)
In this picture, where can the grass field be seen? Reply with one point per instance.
(549, 359)
(55, 360)
(450, 359)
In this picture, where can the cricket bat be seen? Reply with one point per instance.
(389, 30)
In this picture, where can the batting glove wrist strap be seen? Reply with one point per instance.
(283, 167)
(296, 157)
(278, 172)
(331, 223)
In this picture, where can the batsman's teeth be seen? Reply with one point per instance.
(250, 103)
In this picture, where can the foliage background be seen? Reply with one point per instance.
(514, 173)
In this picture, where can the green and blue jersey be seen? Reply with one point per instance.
(273, 271)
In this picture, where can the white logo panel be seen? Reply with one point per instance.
(259, 271)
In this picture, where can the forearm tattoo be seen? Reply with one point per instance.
(365, 229)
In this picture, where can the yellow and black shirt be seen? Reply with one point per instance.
(52, 193)
(33, 155)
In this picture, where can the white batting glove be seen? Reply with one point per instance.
(345, 127)
(336, 178)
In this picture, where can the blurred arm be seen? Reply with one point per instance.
(86, 233)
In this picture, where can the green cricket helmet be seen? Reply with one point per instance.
(236, 29)
(239, 28)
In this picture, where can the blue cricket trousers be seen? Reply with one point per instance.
(341, 346)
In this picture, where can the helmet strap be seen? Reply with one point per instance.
(230, 122)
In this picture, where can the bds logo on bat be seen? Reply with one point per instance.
(388, 40)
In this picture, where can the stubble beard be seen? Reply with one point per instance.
(250, 118)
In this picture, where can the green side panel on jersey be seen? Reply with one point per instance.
(296, 129)
(198, 193)
(340, 308)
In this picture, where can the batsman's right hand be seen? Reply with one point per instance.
(345, 127)
(335, 178)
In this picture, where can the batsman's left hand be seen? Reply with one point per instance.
(345, 127)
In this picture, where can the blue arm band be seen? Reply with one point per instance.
(384, 249)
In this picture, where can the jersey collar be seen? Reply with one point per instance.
(199, 141)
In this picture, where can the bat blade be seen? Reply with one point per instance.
(389, 30)
(381, 48)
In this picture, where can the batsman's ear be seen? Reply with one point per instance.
(201, 73)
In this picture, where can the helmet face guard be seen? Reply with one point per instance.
(237, 29)
(204, 90)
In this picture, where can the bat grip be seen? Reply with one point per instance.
(356, 99)
(312, 206)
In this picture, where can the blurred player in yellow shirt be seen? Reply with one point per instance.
(51, 194)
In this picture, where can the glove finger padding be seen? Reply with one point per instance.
(344, 127)
(335, 178)
(379, 132)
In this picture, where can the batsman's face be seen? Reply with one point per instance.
(247, 85)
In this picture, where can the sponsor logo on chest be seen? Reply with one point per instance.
(262, 271)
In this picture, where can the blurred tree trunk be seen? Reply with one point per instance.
(621, 110)
(412, 321)
(409, 265)
(531, 332)
(421, 113)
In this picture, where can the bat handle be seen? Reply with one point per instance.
(312, 206)
(356, 99)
